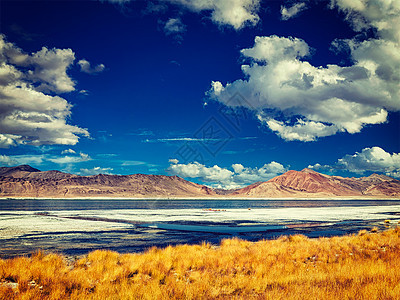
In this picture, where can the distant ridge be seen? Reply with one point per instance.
(25, 181)
(4, 171)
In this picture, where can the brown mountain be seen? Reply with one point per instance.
(25, 181)
(308, 183)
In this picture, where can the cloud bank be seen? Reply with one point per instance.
(299, 101)
(30, 112)
(217, 177)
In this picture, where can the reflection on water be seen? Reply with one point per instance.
(75, 227)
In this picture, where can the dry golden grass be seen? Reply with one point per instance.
(363, 266)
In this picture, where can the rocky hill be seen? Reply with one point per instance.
(25, 181)
(308, 183)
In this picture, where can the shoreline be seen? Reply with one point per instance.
(375, 229)
(338, 198)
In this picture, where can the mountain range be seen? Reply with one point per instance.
(26, 181)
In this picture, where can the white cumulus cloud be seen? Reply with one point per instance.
(373, 159)
(303, 102)
(28, 114)
(220, 177)
(50, 69)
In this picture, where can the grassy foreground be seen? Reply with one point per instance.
(363, 266)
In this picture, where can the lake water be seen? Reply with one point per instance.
(75, 227)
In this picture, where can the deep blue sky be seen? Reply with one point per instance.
(154, 87)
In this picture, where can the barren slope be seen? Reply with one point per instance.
(308, 183)
(19, 182)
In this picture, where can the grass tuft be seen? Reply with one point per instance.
(362, 232)
(374, 229)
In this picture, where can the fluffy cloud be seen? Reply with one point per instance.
(28, 115)
(244, 175)
(45, 70)
(87, 68)
(300, 101)
(380, 14)
(219, 177)
(292, 11)
(96, 171)
(50, 69)
(196, 170)
(373, 159)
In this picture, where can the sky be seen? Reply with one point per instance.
(224, 93)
